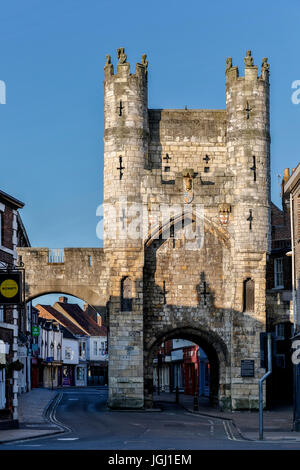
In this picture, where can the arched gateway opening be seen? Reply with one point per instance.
(214, 351)
(186, 297)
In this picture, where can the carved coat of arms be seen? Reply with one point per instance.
(188, 176)
(224, 210)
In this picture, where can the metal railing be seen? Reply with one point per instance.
(56, 255)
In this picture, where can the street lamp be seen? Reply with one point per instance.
(52, 347)
(59, 359)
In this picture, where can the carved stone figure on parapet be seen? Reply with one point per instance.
(228, 63)
(121, 55)
(145, 62)
(248, 60)
(108, 67)
(265, 67)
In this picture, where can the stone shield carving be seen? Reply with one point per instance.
(224, 210)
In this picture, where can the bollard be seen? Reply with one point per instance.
(196, 403)
(177, 394)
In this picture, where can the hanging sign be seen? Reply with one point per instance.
(11, 287)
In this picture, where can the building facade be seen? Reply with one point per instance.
(182, 365)
(90, 351)
(15, 322)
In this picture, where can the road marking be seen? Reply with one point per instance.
(67, 438)
(29, 445)
(138, 441)
(211, 426)
(228, 431)
(41, 425)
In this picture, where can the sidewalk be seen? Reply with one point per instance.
(32, 417)
(277, 423)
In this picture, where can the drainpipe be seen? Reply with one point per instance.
(293, 264)
(261, 429)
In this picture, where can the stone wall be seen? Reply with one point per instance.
(84, 274)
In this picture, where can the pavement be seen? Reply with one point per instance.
(277, 422)
(34, 420)
(37, 417)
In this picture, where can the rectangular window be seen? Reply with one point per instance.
(95, 348)
(297, 236)
(1, 313)
(80, 373)
(82, 349)
(1, 228)
(68, 352)
(279, 331)
(278, 273)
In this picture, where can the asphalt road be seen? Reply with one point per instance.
(90, 425)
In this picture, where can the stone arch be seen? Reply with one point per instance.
(213, 346)
(81, 292)
(193, 214)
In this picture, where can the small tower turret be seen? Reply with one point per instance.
(248, 150)
(126, 129)
(126, 136)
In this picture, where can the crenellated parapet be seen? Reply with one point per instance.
(232, 72)
(123, 67)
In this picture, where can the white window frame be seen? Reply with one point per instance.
(278, 273)
(68, 353)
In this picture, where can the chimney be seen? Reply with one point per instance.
(99, 319)
(85, 307)
(286, 174)
(63, 300)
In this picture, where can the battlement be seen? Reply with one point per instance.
(232, 72)
(123, 67)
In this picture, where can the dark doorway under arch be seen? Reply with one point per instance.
(213, 347)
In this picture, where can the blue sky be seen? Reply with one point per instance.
(52, 59)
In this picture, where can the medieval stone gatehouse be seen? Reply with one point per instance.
(186, 234)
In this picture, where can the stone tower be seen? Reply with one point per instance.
(248, 157)
(126, 138)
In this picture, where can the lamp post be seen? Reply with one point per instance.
(52, 347)
(58, 357)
